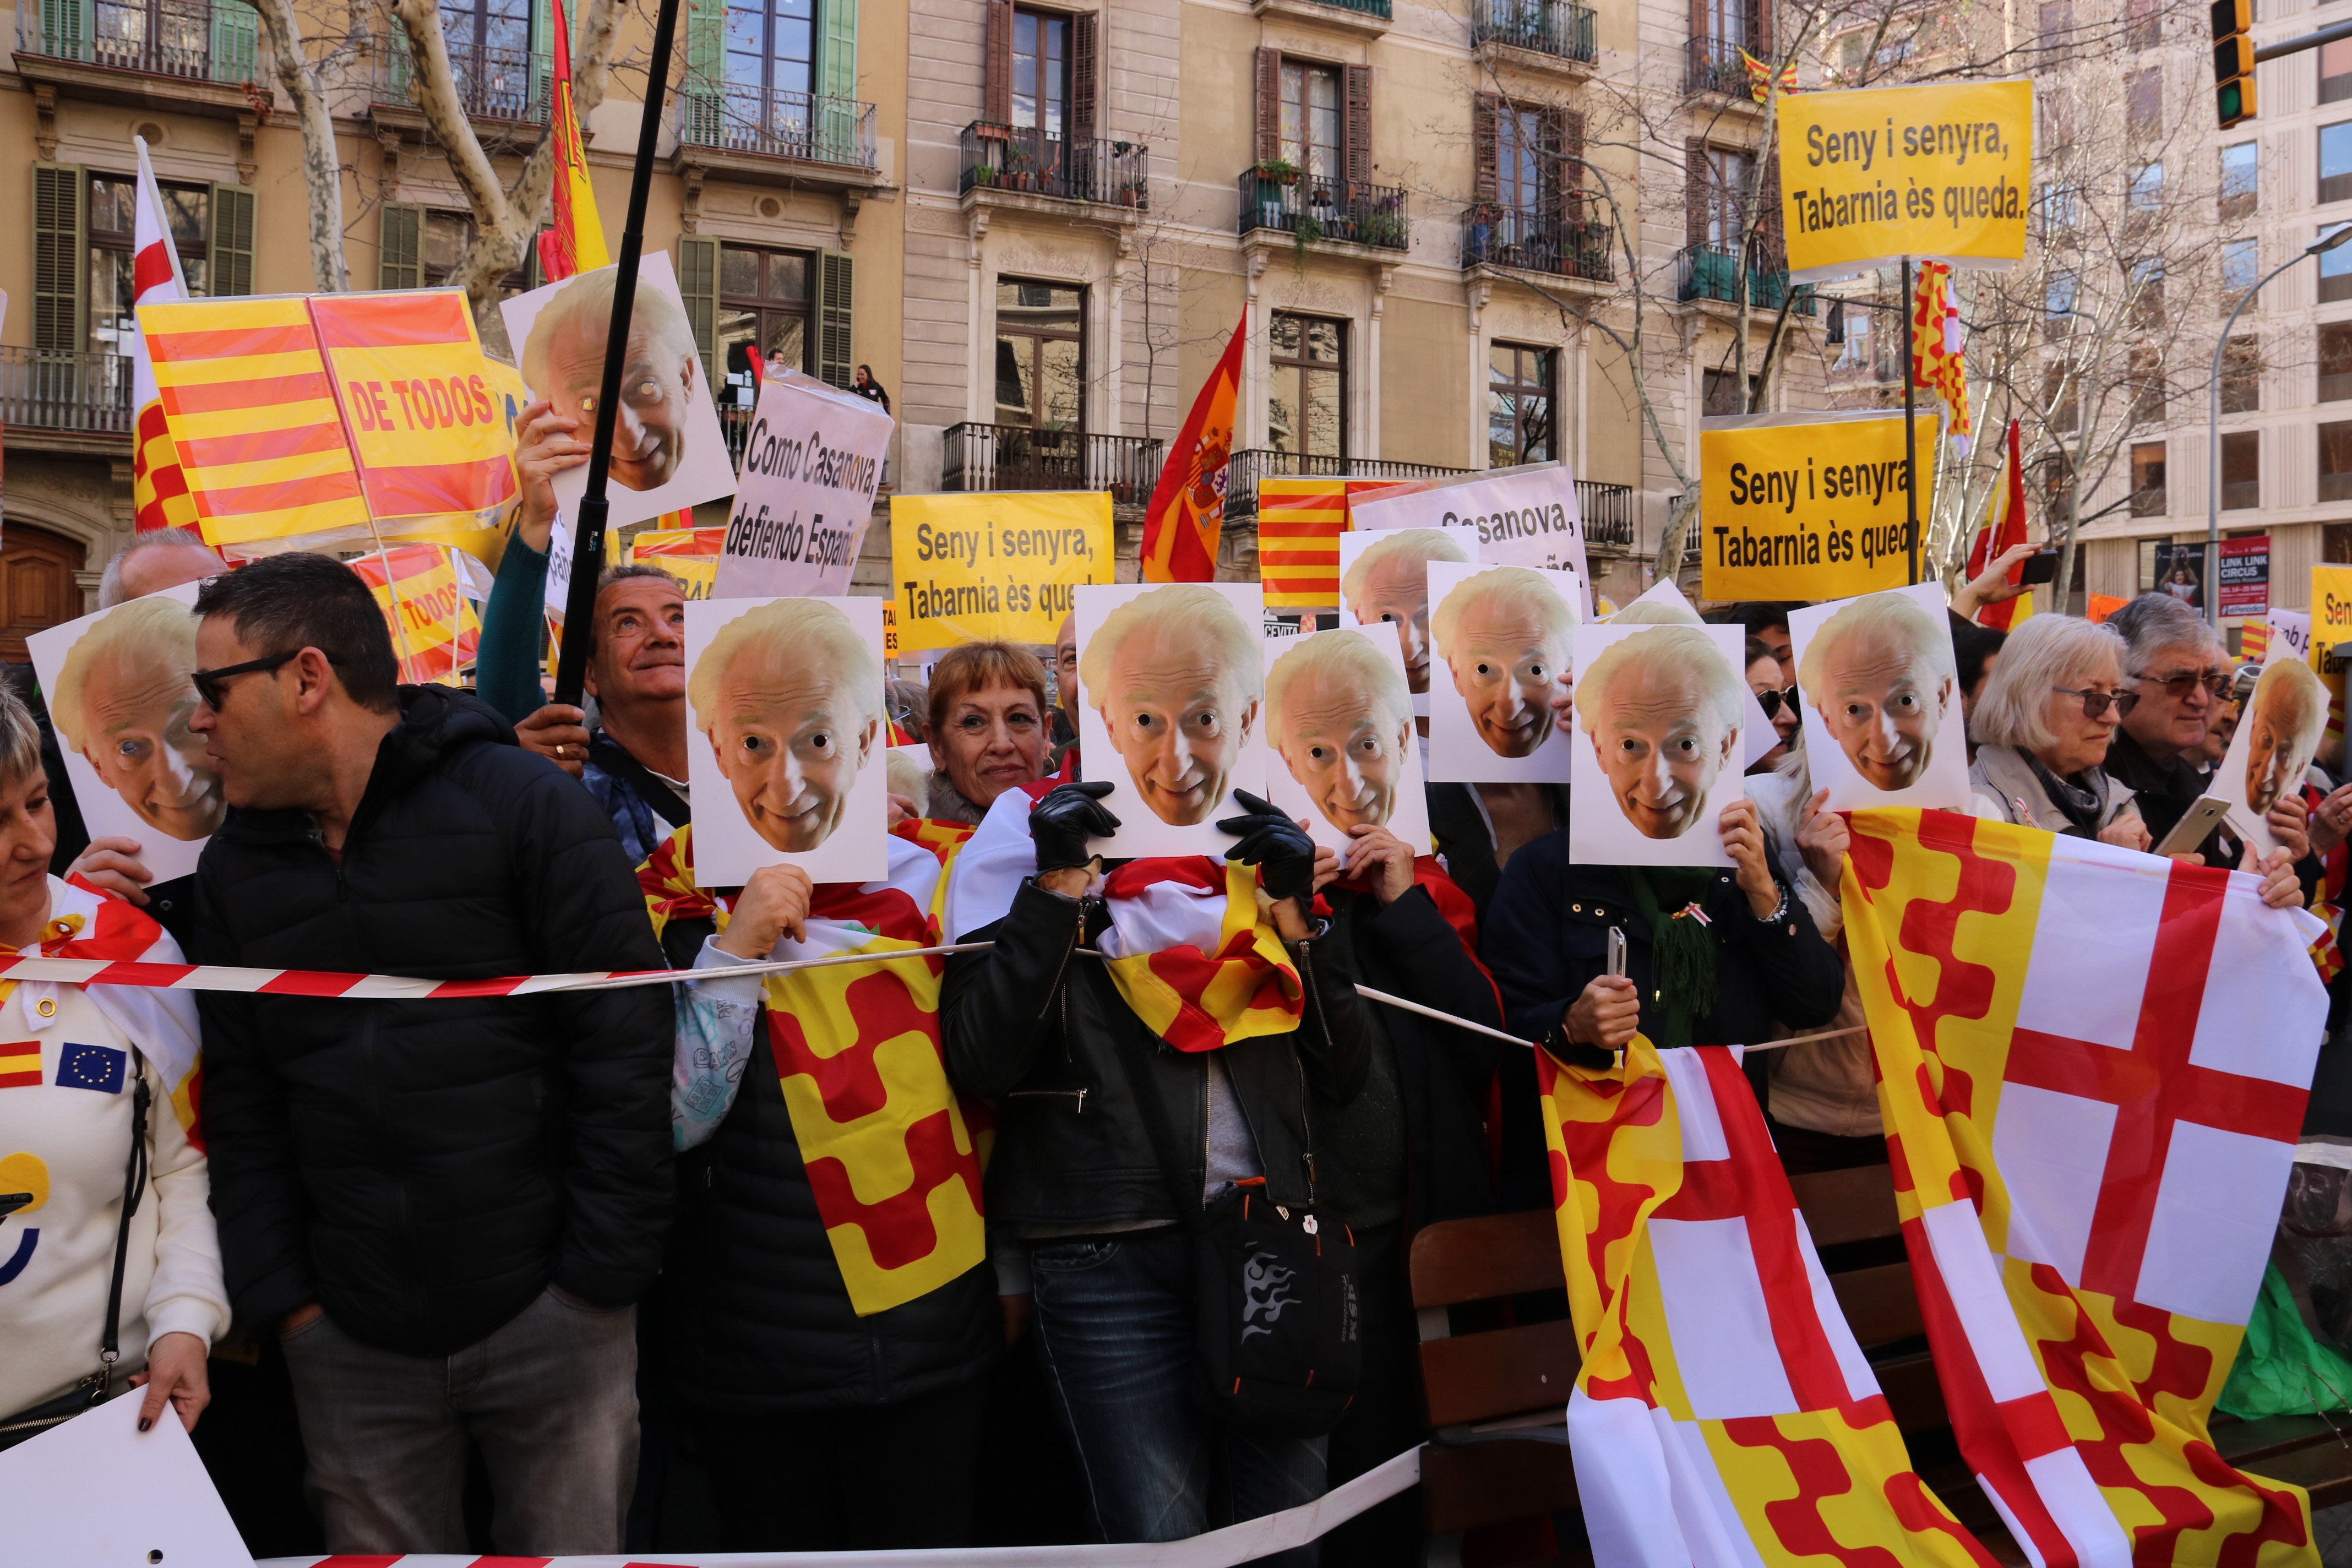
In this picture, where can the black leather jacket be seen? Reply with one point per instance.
(1038, 1027)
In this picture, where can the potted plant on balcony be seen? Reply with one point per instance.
(1279, 170)
(1385, 224)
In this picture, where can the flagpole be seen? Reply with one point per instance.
(588, 537)
(1910, 424)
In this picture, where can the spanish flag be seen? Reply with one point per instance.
(1187, 512)
(576, 243)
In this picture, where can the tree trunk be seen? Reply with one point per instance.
(322, 175)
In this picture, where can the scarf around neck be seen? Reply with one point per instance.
(1682, 948)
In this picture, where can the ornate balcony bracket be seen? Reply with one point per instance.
(44, 121)
(248, 126)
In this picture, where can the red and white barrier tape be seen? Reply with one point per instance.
(1235, 1543)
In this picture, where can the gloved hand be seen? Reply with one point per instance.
(1274, 844)
(1061, 824)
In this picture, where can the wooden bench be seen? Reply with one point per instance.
(1498, 1358)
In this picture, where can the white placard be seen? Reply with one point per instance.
(2277, 736)
(1882, 700)
(1526, 516)
(1172, 681)
(1498, 676)
(811, 464)
(1658, 720)
(99, 1490)
(1339, 718)
(784, 700)
(2290, 629)
(667, 452)
(117, 686)
(558, 597)
(1382, 578)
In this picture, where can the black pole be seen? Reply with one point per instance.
(588, 534)
(1910, 430)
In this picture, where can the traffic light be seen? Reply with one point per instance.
(2234, 61)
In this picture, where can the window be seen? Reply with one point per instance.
(2335, 70)
(1041, 362)
(2146, 24)
(2144, 104)
(2241, 265)
(2335, 361)
(112, 218)
(2059, 408)
(2336, 461)
(1719, 393)
(2146, 192)
(1726, 21)
(2336, 162)
(2057, 28)
(2062, 206)
(2147, 479)
(1519, 158)
(2242, 471)
(2149, 391)
(2335, 269)
(1040, 72)
(1728, 175)
(1306, 409)
(771, 48)
(2242, 375)
(489, 56)
(1521, 403)
(763, 299)
(2240, 180)
(1310, 118)
(2058, 298)
(2143, 285)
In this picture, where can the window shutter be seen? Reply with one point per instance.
(60, 239)
(67, 30)
(1699, 27)
(698, 286)
(1695, 193)
(706, 71)
(996, 70)
(400, 254)
(1761, 32)
(1269, 105)
(1569, 149)
(236, 28)
(1484, 178)
(836, 279)
(1552, 178)
(1084, 63)
(836, 82)
(1360, 125)
(228, 248)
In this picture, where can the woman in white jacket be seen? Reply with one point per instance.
(81, 1068)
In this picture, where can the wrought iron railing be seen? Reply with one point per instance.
(1566, 244)
(46, 390)
(1024, 159)
(1316, 207)
(1252, 464)
(982, 457)
(195, 40)
(512, 85)
(1707, 272)
(1363, 7)
(1713, 64)
(1547, 27)
(774, 122)
(1605, 512)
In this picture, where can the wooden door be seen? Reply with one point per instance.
(37, 585)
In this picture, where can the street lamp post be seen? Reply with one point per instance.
(2325, 243)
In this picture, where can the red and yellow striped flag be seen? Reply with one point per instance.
(688, 555)
(416, 399)
(20, 1064)
(1760, 78)
(245, 394)
(1299, 521)
(1187, 512)
(435, 626)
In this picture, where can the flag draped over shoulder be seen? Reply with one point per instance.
(892, 1161)
(1724, 1416)
(1189, 946)
(2093, 1067)
(1187, 512)
(158, 491)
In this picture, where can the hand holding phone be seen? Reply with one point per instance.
(2196, 826)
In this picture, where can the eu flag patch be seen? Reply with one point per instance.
(98, 1067)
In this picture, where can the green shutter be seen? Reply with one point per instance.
(60, 244)
(400, 259)
(835, 278)
(542, 52)
(836, 83)
(236, 32)
(698, 285)
(229, 249)
(67, 30)
(703, 93)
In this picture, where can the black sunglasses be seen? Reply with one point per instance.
(1773, 701)
(2097, 703)
(2179, 686)
(208, 682)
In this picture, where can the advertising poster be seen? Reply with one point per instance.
(1498, 685)
(966, 568)
(2244, 575)
(2179, 570)
(1808, 506)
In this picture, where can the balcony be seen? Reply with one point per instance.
(1021, 166)
(66, 401)
(773, 136)
(1606, 513)
(1562, 244)
(497, 87)
(1555, 29)
(1372, 16)
(1317, 210)
(1713, 64)
(188, 55)
(981, 459)
(1711, 272)
(1253, 463)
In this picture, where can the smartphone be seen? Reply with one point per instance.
(2196, 826)
(11, 1201)
(2041, 566)
(1616, 951)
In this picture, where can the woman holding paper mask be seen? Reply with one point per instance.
(987, 724)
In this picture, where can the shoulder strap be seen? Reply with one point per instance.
(614, 759)
(134, 1187)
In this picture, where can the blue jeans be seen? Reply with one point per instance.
(1118, 1332)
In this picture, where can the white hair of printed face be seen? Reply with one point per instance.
(1189, 609)
(1505, 588)
(1683, 654)
(154, 634)
(1345, 660)
(2301, 701)
(1899, 618)
(591, 295)
(1404, 544)
(807, 628)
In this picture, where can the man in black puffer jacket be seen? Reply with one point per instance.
(447, 1208)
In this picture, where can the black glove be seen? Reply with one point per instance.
(1574, 1053)
(1276, 845)
(1061, 824)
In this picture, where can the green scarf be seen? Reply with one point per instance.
(1682, 948)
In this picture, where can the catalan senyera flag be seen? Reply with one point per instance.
(1299, 521)
(1760, 78)
(246, 394)
(576, 241)
(1938, 345)
(894, 1166)
(158, 491)
(688, 555)
(2254, 640)
(436, 626)
(1187, 510)
(417, 402)
(2093, 1066)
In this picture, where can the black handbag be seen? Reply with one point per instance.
(91, 1391)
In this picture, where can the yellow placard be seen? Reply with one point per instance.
(965, 568)
(2331, 617)
(688, 555)
(1874, 175)
(1807, 506)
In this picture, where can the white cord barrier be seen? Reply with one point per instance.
(1237, 1543)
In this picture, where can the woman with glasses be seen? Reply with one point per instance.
(1776, 696)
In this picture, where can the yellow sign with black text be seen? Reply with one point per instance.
(1873, 174)
(1806, 506)
(964, 568)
